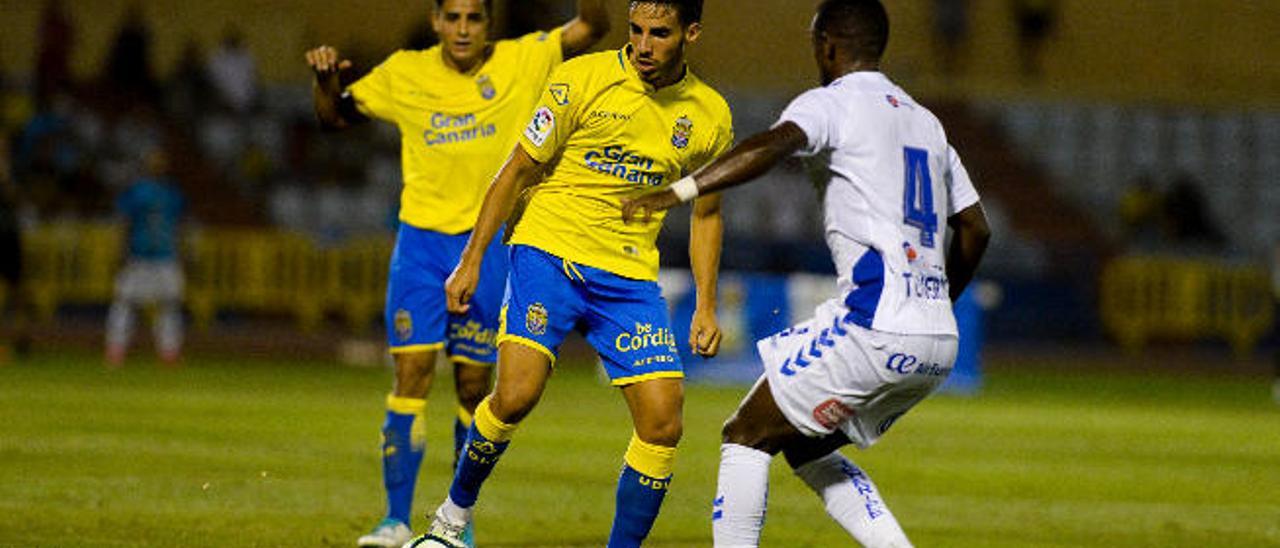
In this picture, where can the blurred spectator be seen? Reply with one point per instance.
(152, 275)
(1187, 219)
(222, 140)
(950, 29)
(187, 92)
(128, 65)
(1035, 20)
(12, 303)
(48, 157)
(129, 138)
(56, 38)
(233, 73)
(16, 104)
(1141, 212)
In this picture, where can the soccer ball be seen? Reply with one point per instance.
(426, 541)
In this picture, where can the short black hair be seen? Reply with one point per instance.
(488, 6)
(862, 26)
(689, 11)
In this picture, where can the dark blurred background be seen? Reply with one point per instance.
(1127, 154)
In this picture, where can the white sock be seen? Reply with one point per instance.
(168, 329)
(119, 325)
(853, 501)
(453, 513)
(741, 496)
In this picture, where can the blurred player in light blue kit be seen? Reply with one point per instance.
(152, 208)
(891, 186)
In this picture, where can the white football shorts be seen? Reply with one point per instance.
(144, 282)
(828, 373)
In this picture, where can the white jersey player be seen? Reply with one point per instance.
(891, 187)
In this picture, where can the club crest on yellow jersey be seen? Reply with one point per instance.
(682, 132)
(404, 324)
(535, 319)
(560, 93)
(485, 85)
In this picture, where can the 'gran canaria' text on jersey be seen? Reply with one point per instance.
(618, 162)
(448, 128)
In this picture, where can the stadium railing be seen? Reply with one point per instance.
(227, 270)
(1163, 298)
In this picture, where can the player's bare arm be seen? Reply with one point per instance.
(705, 235)
(749, 159)
(588, 27)
(968, 242)
(334, 108)
(518, 173)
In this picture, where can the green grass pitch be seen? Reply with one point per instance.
(272, 453)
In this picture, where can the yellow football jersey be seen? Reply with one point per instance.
(605, 135)
(456, 130)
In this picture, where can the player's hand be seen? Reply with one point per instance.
(326, 63)
(459, 288)
(704, 333)
(644, 206)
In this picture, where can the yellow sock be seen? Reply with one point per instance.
(411, 406)
(655, 461)
(406, 406)
(489, 426)
(464, 416)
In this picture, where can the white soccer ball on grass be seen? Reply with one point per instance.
(426, 541)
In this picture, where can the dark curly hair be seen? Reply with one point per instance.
(862, 26)
(488, 5)
(690, 11)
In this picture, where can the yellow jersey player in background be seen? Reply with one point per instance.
(459, 106)
(609, 126)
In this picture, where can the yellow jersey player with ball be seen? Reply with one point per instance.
(609, 126)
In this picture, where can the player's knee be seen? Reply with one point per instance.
(471, 386)
(740, 432)
(414, 373)
(733, 432)
(513, 405)
(471, 394)
(665, 431)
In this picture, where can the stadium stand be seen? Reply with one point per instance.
(1057, 156)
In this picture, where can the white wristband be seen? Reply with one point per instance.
(686, 189)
